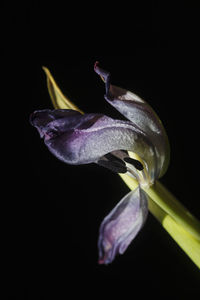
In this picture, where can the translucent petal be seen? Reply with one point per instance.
(141, 115)
(122, 224)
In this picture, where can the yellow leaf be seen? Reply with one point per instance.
(59, 100)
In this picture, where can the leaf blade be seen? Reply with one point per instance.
(59, 100)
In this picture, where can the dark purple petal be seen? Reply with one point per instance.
(141, 115)
(79, 139)
(48, 120)
(122, 224)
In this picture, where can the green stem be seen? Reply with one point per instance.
(165, 200)
(174, 217)
(188, 244)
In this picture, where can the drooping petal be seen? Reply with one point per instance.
(141, 115)
(122, 224)
(79, 139)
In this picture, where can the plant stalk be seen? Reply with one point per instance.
(183, 227)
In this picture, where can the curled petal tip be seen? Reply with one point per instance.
(98, 70)
(96, 65)
(105, 75)
(136, 110)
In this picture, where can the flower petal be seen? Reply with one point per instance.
(59, 119)
(122, 224)
(79, 139)
(142, 115)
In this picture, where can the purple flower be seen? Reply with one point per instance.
(137, 146)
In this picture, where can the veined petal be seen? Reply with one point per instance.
(141, 115)
(79, 139)
(122, 224)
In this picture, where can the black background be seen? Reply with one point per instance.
(52, 228)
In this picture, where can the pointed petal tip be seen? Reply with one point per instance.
(103, 261)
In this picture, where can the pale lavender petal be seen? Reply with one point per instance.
(122, 224)
(141, 115)
(79, 139)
